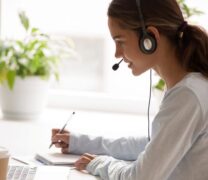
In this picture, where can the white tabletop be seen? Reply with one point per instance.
(74, 174)
(26, 137)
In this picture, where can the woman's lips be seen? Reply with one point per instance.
(129, 63)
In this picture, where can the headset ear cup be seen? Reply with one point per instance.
(147, 43)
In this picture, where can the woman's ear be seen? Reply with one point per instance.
(148, 40)
(154, 31)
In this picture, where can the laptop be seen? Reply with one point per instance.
(22, 172)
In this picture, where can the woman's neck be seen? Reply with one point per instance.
(170, 70)
(168, 64)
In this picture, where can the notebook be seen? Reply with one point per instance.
(20, 172)
(56, 158)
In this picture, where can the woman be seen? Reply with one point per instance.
(152, 34)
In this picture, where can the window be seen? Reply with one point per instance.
(87, 80)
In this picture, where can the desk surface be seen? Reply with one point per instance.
(74, 174)
(26, 137)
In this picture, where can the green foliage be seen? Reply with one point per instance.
(187, 12)
(160, 85)
(31, 56)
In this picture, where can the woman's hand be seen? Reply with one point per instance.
(61, 140)
(83, 161)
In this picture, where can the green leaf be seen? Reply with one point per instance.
(186, 10)
(11, 79)
(34, 65)
(20, 43)
(57, 76)
(2, 66)
(160, 85)
(24, 20)
(2, 72)
(34, 31)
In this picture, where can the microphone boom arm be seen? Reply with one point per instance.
(116, 66)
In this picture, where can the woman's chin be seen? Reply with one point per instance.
(136, 72)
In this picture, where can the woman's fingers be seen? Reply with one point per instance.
(61, 138)
(65, 150)
(82, 163)
(61, 144)
(90, 156)
(84, 160)
(56, 130)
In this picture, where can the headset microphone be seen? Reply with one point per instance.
(116, 66)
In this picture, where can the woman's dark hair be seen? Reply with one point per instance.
(167, 17)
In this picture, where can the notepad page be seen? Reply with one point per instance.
(56, 158)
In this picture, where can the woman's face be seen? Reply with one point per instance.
(126, 42)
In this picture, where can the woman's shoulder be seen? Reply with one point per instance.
(191, 89)
(194, 82)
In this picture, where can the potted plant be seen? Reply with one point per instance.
(26, 66)
(187, 12)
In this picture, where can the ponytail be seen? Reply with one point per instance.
(193, 49)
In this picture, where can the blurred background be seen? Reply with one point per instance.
(86, 78)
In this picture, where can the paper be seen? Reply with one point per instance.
(54, 158)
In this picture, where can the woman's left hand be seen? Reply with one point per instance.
(83, 161)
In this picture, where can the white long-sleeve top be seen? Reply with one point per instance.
(178, 149)
(122, 148)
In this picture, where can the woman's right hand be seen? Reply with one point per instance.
(61, 140)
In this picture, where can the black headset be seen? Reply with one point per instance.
(147, 42)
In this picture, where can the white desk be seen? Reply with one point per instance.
(74, 174)
(24, 138)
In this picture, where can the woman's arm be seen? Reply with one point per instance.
(121, 148)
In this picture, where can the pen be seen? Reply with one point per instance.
(62, 129)
(19, 160)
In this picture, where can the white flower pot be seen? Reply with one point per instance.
(26, 100)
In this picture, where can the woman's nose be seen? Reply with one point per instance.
(118, 53)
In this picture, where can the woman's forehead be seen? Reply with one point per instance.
(115, 26)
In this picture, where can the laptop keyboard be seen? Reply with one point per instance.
(21, 173)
